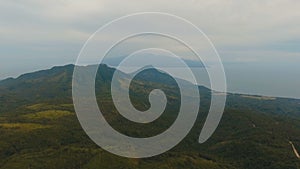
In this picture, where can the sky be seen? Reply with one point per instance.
(39, 34)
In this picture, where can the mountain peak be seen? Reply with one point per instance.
(149, 69)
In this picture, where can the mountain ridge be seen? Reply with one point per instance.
(38, 121)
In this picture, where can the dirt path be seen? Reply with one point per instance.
(294, 149)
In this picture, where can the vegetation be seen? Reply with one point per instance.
(39, 128)
(48, 114)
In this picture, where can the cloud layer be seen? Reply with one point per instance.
(39, 34)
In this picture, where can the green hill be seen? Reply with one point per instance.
(39, 128)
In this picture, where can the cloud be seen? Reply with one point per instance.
(237, 28)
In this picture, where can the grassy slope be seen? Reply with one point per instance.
(60, 143)
(43, 131)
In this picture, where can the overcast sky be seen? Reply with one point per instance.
(38, 34)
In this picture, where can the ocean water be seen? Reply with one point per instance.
(277, 80)
(260, 79)
(263, 79)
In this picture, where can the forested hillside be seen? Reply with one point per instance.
(39, 128)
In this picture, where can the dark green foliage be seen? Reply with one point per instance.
(253, 134)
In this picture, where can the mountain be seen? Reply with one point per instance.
(115, 61)
(39, 128)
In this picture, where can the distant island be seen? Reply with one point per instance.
(115, 61)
